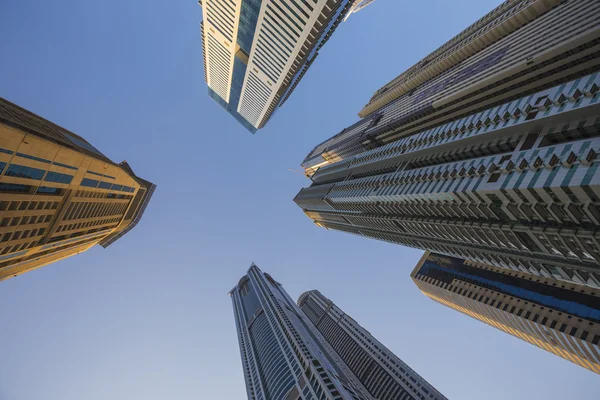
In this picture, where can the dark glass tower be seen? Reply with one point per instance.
(557, 316)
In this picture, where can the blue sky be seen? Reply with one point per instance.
(150, 318)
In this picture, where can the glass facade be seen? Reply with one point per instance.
(247, 25)
(58, 177)
(82, 143)
(248, 18)
(568, 301)
(233, 112)
(21, 171)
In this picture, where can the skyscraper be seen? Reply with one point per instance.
(256, 52)
(59, 195)
(357, 5)
(285, 356)
(377, 369)
(486, 150)
(281, 357)
(559, 317)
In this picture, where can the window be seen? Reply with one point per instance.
(65, 165)
(12, 187)
(21, 171)
(89, 182)
(117, 187)
(48, 190)
(94, 173)
(563, 327)
(82, 143)
(33, 158)
(573, 331)
(105, 185)
(58, 177)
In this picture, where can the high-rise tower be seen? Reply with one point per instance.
(59, 195)
(256, 52)
(557, 316)
(286, 356)
(281, 357)
(486, 150)
(378, 370)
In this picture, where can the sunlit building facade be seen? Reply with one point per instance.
(378, 370)
(281, 356)
(59, 195)
(560, 317)
(486, 150)
(256, 52)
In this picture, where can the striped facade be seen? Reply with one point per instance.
(521, 47)
(377, 369)
(59, 195)
(281, 355)
(556, 316)
(486, 150)
(256, 52)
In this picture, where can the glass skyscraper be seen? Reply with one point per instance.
(281, 357)
(294, 353)
(379, 371)
(256, 52)
(559, 317)
(485, 150)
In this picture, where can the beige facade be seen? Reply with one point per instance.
(59, 195)
(535, 317)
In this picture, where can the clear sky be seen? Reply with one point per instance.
(150, 318)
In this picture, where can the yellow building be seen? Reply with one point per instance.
(553, 314)
(59, 195)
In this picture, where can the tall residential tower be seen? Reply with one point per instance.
(559, 317)
(59, 195)
(378, 370)
(486, 150)
(257, 51)
(281, 357)
(285, 356)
